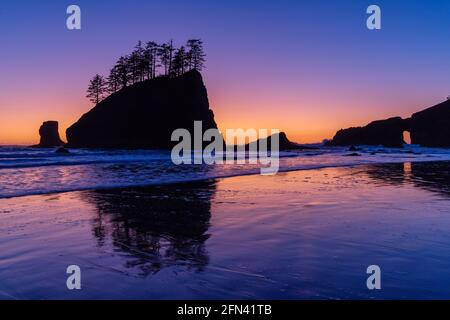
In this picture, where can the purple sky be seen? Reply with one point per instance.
(304, 67)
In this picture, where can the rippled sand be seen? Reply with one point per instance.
(297, 235)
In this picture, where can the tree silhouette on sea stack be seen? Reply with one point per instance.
(148, 61)
(96, 89)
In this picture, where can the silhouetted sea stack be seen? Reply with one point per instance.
(284, 143)
(145, 114)
(428, 128)
(388, 133)
(431, 127)
(49, 135)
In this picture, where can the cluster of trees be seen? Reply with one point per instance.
(148, 61)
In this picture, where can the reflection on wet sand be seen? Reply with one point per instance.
(305, 234)
(430, 176)
(163, 226)
(433, 177)
(157, 226)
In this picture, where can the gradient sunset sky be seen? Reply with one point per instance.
(306, 67)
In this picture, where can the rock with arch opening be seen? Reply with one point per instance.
(428, 128)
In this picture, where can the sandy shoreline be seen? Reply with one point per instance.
(297, 235)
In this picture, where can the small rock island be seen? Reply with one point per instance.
(49, 135)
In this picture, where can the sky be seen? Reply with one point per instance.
(306, 67)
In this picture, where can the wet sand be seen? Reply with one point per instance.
(298, 235)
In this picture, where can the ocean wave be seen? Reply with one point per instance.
(168, 181)
(93, 170)
(12, 161)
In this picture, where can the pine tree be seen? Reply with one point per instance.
(151, 59)
(96, 89)
(122, 69)
(165, 57)
(196, 54)
(170, 51)
(139, 53)
(179, 62)
(113, 80)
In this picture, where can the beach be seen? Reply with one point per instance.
(305, 234)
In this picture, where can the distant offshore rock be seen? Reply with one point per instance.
(284, 143)
(428, 128)
(388, 133)
(49, 135)
(145, 114)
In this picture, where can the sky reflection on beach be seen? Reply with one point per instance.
(297, 235)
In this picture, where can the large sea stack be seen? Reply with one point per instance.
(145, 114)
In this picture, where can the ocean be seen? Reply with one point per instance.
(27, 171)
(139, 227)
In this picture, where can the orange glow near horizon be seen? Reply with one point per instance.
(302, 125)
(22, 117)
(23, 130)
